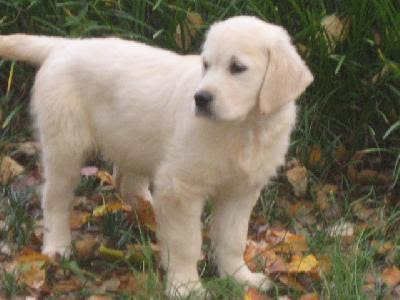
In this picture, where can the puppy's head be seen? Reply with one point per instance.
(247, 64)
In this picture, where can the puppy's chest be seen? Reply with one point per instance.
(256, 157)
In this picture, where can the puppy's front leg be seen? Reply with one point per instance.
(229, 228)
(178, 208)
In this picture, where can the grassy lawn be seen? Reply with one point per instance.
(328, 227)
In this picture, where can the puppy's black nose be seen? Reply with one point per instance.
(203, 99)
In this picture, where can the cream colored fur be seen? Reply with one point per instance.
(134, 103)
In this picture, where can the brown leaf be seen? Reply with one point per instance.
(336, 30)
(298, 178)
(9, 169)
(254, 294)
(315, 155)
(292, 283)
(325, 264)
(65, 286)
(99, 297)
(33, 274)
(341, 154)
(186, 31)
(391, 276)
(325, 194)
(86, 246)
(78, 219)
(29, 255)
(312, 296)
(362, 212)
(145, 214)
(28, 148)
(128, 283)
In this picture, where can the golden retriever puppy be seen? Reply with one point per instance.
(215, 124)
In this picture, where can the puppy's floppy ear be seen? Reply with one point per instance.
(286, 76)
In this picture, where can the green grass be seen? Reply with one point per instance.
(348, 105)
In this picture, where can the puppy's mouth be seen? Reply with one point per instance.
(204, 112)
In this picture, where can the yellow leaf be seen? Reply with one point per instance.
(100, 211)
(292, 243)
(302, 264)
(29, 255)
(115, 206)
(105, 177)
(9, 169)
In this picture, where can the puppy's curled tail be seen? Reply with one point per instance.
(30, 48)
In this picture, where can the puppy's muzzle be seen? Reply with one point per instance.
(203, 101)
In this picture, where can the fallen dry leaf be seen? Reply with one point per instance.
(325, 264)
(112, 207)
(362, 212)
(99, 297)
(292, 283)
(312, 296)
(67, 285)
(336, 30)
(29, 255)
(324, 195)
(298, 178)
(292, 243)
(391, 276)
(78, 218)
(187, 30)
(315, 155)
(85, 246)
(33, 274)
(300, 264)
(105, 177)
(341, 154)
(128, 283)
(31, 268)
(144, 214)
(9, 169)
(28, 148)
(254, 294)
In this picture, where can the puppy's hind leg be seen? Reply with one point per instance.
(132, 187)
(66, 140)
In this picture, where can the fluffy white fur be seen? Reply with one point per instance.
(135, 104)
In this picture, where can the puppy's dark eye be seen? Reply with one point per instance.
(205, 65)
(236, 67)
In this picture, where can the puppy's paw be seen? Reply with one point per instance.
(183, 290)
(259, 281)
(52, 250)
